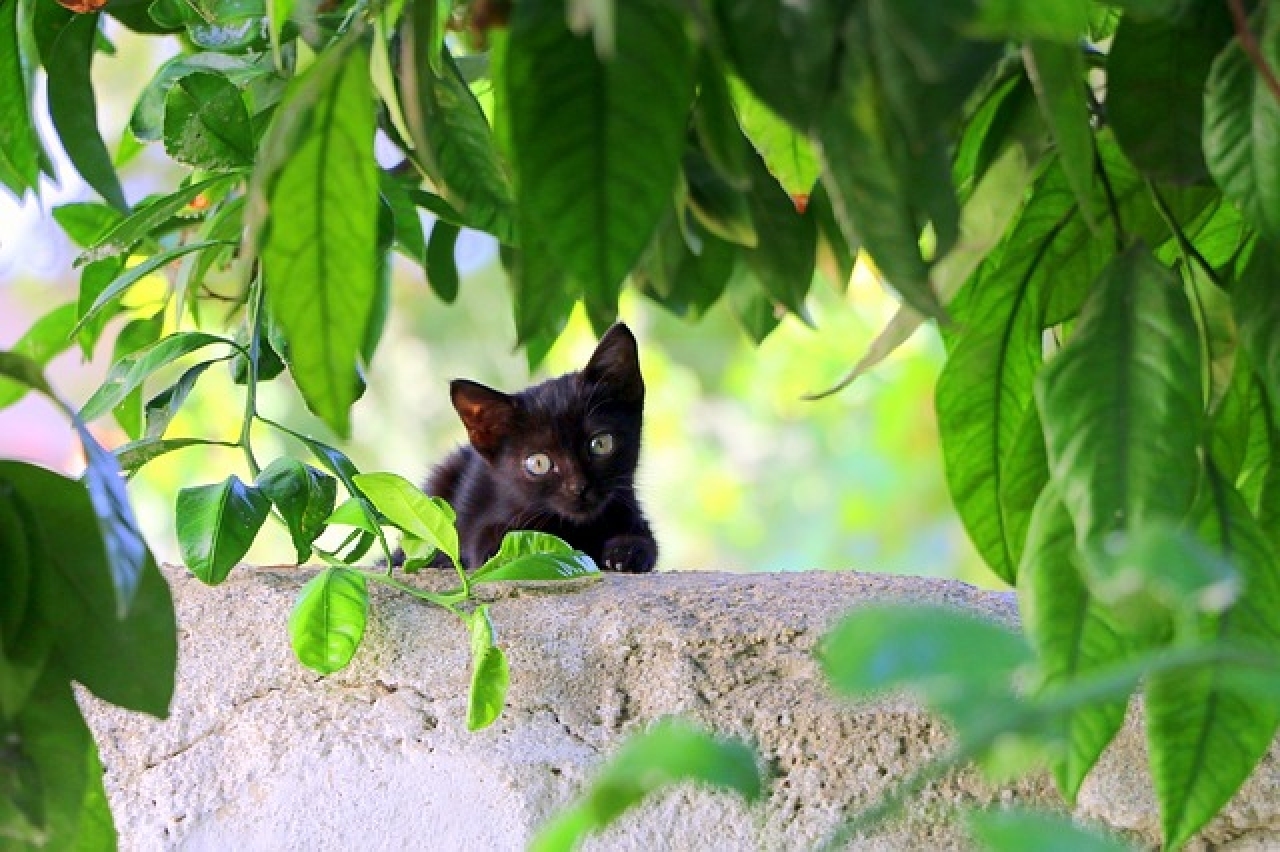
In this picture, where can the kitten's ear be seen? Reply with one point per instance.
(488, 414)
(616, 364)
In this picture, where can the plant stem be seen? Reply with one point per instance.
(254, 317)
(1188, 248)
(1251, 47)
(447, 601)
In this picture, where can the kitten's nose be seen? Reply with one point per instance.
(577, 489)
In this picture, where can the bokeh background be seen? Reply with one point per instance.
(738, 472)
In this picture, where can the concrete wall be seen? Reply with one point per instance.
(261, 754)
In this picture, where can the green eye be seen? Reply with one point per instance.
(538, 464)
(601, 444)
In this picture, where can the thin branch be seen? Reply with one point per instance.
(1251, 47)
(1112, 204)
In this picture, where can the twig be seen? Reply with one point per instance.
(1251, 48)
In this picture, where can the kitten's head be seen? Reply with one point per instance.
(569, 444)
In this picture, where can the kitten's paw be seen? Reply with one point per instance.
(630, 554)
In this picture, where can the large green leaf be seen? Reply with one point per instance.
(133, 369)
(597, 142)
(1204, 733)
(328, 619)
(1121, 403)
(787, 152)
(1240, 117)
(403, 503)
(66, 774)
(784, 51)
(319, 252)
(670, 752)
(1156, 74)
(1073, 634)
(716, 122)
(147, 121)
(303, 495)
(1255, 301)
(1058, 74)
(20, 146)
(216, 524)
(73, 106)
(683, 281)
(127, 660)
(868, 177)
(451, 136)
(489, 672)
(206, 123)
(783, 261)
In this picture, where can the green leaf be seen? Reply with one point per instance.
(442, 269)
(1121, 403)
(20, 145)
(751, 305)
(941, 651)
(135, 454)
(787, 153)
(25, 638)
(1017, 830)
(451, 136)
(542, 297)
(135, 274)
(73, 107)
(1204, 733)
(1240, 113)
(1058, 74)
(318, 255)
(127, 659)
(408, 222)
(48, 337)
(164, 406)
(1073, 634)
(304, 496)
(784, 51)
(597, 143)
(1255, 301)
(1024, 474)
(206, 123)
(66, 774)
(1156, 75)
(671, 752)
(132, 229)
(404, 505)
(328, 620)
(489, 673)
(86, 222)
(682, 280)
(147, 121)
(718, 206)
(132, 370)
(216, 524)
(783, 262)
(870, 187)
(716, 123)
(355, 512)
(136, 334)
(527, 555)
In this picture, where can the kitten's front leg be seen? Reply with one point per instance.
(630, 554)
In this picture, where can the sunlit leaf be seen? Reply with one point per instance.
(130, 371)
(304, 497)
(319, 253)
(328, 620)
(1057, 72)
(489, 673)
(403, 503)
(1018, 830)
(526, 555)
(206, 123)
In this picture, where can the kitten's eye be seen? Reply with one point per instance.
(601, 445)
(538, 464)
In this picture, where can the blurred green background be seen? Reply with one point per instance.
(738, 471)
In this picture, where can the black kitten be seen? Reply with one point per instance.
(559, 457)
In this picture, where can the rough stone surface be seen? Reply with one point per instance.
(259, 753)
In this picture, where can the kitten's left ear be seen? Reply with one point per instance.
(616, 364)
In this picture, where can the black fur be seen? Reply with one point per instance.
(587, 500)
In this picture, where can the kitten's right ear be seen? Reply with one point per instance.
(488, 414)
